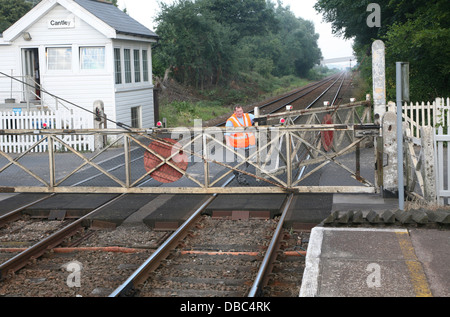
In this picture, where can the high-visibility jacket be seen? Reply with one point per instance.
(242, 140)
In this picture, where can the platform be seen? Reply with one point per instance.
(366, 262)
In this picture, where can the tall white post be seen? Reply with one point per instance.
(379, 79)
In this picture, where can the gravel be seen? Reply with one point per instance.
(92, 273)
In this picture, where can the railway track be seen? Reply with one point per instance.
(221, 257)
(237, 284)
(22, 257)
(301, 98)
(104, 267)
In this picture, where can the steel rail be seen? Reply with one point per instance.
(330, 79)
(331, 108)
(270, 256)
(51, 241)
(38, 249)
(266, 264)
(128, 287)
(15, 214)
(338, 91)
(324, 92)
(309, 110)
(310, 88)
(43, 246)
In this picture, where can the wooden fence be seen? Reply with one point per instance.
(430, 114)
(39, 120)
(417, 118)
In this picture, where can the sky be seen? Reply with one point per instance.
(144, 11)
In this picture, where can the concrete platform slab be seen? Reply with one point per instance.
(364, 262)
(77, 204)
(136, 218)
(432, 248)
(4, 196)
(363, 202)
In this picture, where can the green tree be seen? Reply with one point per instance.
(299, 47)
(258, 53)
(423, 40)
(11, 11)
(193, 45)
(414, 31)
(290, 49)
(246, 18)
(210, 42)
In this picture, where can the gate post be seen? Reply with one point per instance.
(379, 108)
(379, 79)
(99, 123)
(428, 166)
(258, 144)
(390, 167)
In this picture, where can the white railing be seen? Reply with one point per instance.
(61, 119)
(434, 116)
(423, 114)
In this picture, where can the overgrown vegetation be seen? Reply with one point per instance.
(414, 31)
(231, 52)
(206, 43)
(181, 109)
(11, 11)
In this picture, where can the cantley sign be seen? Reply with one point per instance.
(65, 23)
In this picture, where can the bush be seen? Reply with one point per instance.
(183, 113)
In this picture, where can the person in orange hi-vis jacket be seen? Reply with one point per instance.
(240, 141)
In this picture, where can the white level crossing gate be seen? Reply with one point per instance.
(426, 138)
(330, 150)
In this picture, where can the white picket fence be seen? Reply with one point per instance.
(437, 116)
(61, 119)
(430, 114)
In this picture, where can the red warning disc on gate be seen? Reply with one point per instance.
(327, 136)
(165, 148)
